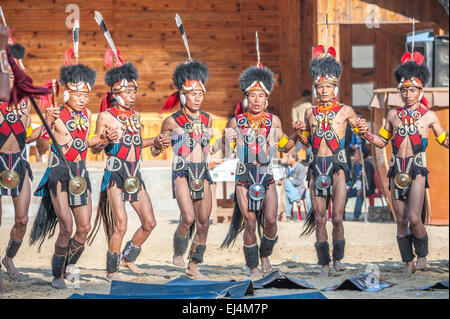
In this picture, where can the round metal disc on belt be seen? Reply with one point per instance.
(197, 184)
(402, 132)
(188, 126)
(11, 118)
(77, 185)
(79, 144)
(256, 192)
(261, 140)
(131, 184)
(402, 180)
(249, 138)
(127, 139)
(323, 182)
(319, 132)
(240, 168)
(329, 135)
(331, 115)
(113, 164)
(190, 142)
(242, 121)
(9, 179)
(412, 129)
(136, 139)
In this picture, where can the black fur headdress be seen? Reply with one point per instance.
(258, 74)
(76, 73)
(126, 71)
(194, 70)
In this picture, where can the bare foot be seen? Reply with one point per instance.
(178, 261)
(255, 274)
(338, 266)
(325, 271)
(265, 265)
(409, 269)
(58, 283)
(11, 270)
(421, 263)
(192, 270)
(112, 276)
(131, 265)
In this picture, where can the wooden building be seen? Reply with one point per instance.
(221, 34)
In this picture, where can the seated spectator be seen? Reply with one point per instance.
(294, 184)
(356, 188)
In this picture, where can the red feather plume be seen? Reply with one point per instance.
(170, 102)
(416, 56)
(110, 58)
(332, 51)
(239, 109)
(69, 57)
(106, 102)
(318, 50)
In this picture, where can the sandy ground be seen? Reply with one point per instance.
(366, 243)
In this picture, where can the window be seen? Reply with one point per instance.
(362, 94)
(363, 57)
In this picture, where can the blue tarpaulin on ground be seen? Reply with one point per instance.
(235, 289)
(278, 279)
(161, 296)
(362, 282)
(302, 295)
(438, 285)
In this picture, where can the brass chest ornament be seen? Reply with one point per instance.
(77, 185)
(402, 180)
(9, 179)
(131, 185)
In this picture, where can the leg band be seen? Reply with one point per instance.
(180, 244)
(58, 261)
(323, 252)
(405, 246)
(421, 245)
(74, 251)
(197, 255)
(251, 256)
(112, 262)
(267, 246)
(338, 249)
(13, 247)
(130, 252)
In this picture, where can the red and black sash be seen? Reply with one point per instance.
(324, 129)
(254, 144)
(195, 136)
(124, 147)
(79, 145)
(408, 128)
(12, 124)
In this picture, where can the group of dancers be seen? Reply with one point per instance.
(253, 135)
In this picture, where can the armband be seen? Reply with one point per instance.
(282, 143)
(441, 138)
(385, 134)
(355, 130)
(29, 131)
(212, 141)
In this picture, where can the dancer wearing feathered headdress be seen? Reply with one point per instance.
(65, 187)
(256, 135)
(407, 128)
(15, 133)
(328, 174)
(119, 123)
(190, 131)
